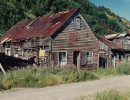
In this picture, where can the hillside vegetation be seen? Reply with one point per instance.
(101, 19)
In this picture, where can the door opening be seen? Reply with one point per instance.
(76, 59)
(102, 62)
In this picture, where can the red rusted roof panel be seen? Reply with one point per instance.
(37, 27)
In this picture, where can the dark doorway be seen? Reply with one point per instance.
(76, 57)
(102, 62)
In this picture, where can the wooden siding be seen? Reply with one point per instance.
(107, 53)
(70, 39)
(66, 39)
(31, 46)
(123, 41)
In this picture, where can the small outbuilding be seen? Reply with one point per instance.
(111, 54)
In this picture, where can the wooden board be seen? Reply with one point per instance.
(2, 69)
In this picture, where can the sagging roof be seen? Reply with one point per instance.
(110, 44)
(37, 27)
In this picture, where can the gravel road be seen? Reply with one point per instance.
(67, 91)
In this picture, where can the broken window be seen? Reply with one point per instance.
(77, 23)
(25, 52)
(62, 58)
(90, 57)
(87, 58)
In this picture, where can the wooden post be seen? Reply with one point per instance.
(52, 64)
(50, 51)
(78, 62)
(2, 69)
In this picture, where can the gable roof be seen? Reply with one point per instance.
(110, 44)
(37, 27)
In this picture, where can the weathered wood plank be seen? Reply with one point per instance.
(2, 69)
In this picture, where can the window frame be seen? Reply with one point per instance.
(59, 59)
(90, 57)
(75, 22)
(8, 51)
(16, 53)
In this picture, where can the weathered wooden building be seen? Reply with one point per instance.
(122, 40)
(62, 38)
(111, 54)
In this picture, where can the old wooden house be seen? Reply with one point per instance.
(59, 39)
(121, 40)
(110, 54)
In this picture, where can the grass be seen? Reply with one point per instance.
(112, 95)
(108, 95)
(124, 68)
(121, 69)
(36, 77)
(111, 71)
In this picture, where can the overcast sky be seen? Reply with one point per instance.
(120, 7)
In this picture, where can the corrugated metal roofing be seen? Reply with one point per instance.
(37, 27)
(111, 36)
(122, 35)
(110, 44)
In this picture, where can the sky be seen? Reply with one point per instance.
(119, 7)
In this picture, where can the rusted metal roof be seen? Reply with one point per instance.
(110, 44)
(37, 27)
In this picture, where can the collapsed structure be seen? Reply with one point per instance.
(111, 54)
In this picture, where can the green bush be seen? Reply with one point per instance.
(36, 77)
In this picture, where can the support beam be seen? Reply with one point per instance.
(2, 69)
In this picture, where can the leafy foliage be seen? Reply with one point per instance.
(101, 19)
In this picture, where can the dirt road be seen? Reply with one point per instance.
(67, 91)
